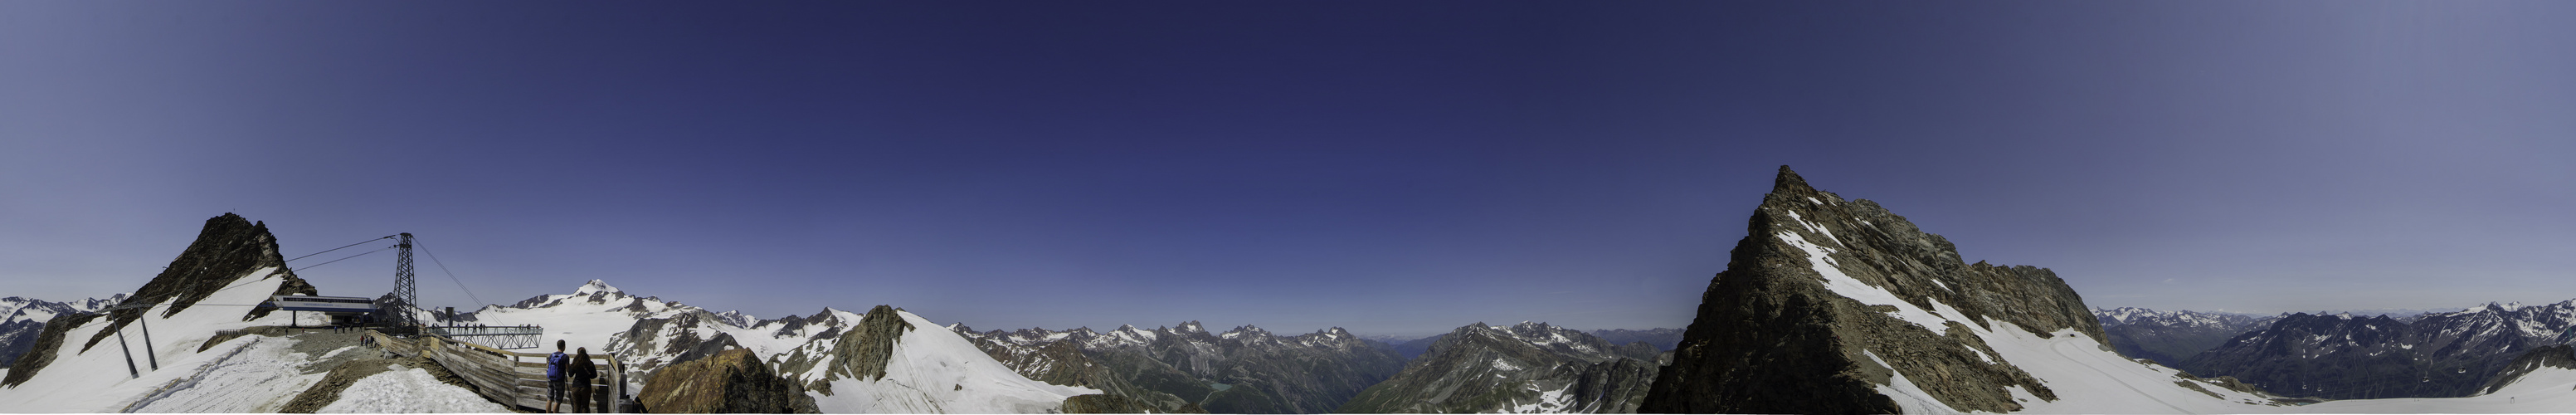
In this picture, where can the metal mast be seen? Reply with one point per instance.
(403, 288)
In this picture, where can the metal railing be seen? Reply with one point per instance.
(497, 337)
(512, 378)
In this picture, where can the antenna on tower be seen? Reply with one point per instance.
(403, 288)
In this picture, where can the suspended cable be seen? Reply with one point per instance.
(451, 275)
(310, 267)
(339, 248)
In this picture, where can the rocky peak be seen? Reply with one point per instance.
(1244, 330)
(1821, 286)
(864, 352)
(227, 249)
(596, 287)
(737, 318)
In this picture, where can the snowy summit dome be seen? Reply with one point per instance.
(596, 286)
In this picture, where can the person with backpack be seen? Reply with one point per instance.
(582, 373)
(555, 378)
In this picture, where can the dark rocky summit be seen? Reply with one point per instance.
(228, 249)
(732, 381)
(864, 355)
(1529, 367)
(1771, 335)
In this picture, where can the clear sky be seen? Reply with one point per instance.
(1395, 168)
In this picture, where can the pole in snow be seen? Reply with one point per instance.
(148, 354)
(129, 355)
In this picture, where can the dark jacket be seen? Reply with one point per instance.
(583, 371)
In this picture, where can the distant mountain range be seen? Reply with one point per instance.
(2346, 356)
(2168, 337)
(1523, 368)
(21, 319)
(1662, 339)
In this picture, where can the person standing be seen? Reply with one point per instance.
(555, 378)
(583, 371)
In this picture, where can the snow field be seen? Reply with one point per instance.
(2548, 390)
(246, 374)
(1549, 402)
(938, 371)
(2086, 377)
(401, 390)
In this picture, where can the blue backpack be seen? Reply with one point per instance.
(554, 366)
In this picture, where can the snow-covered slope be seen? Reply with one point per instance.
(246, 374)
(586, 318)
(647, 333)
(2545, 389)
(401, 390)
(22, 319)
(928, 370)
(2088, 378)
(1837, 305)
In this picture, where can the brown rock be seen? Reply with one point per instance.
(1769, 337)
(732, 381)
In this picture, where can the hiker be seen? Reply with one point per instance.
(582, 372)
(555, 378)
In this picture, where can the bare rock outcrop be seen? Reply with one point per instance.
(731, 381)
(1772, 334)
(229, 248)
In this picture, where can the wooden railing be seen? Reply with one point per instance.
(508, 377)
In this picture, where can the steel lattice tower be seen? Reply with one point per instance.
(403, 289)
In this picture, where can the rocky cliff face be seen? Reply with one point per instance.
(654, 343)
(2169, 337)
(1826, 302)
(2561, 357)
(229, 248)
(2345, 356)
(1529, 367)
(732, 381)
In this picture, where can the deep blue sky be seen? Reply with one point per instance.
(1393, 168)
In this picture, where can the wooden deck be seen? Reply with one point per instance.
(506, 376)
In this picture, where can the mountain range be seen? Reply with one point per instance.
(2168, 337)
(1826, 305)
(1523, 368)
(25, 318)
(2345, 356)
